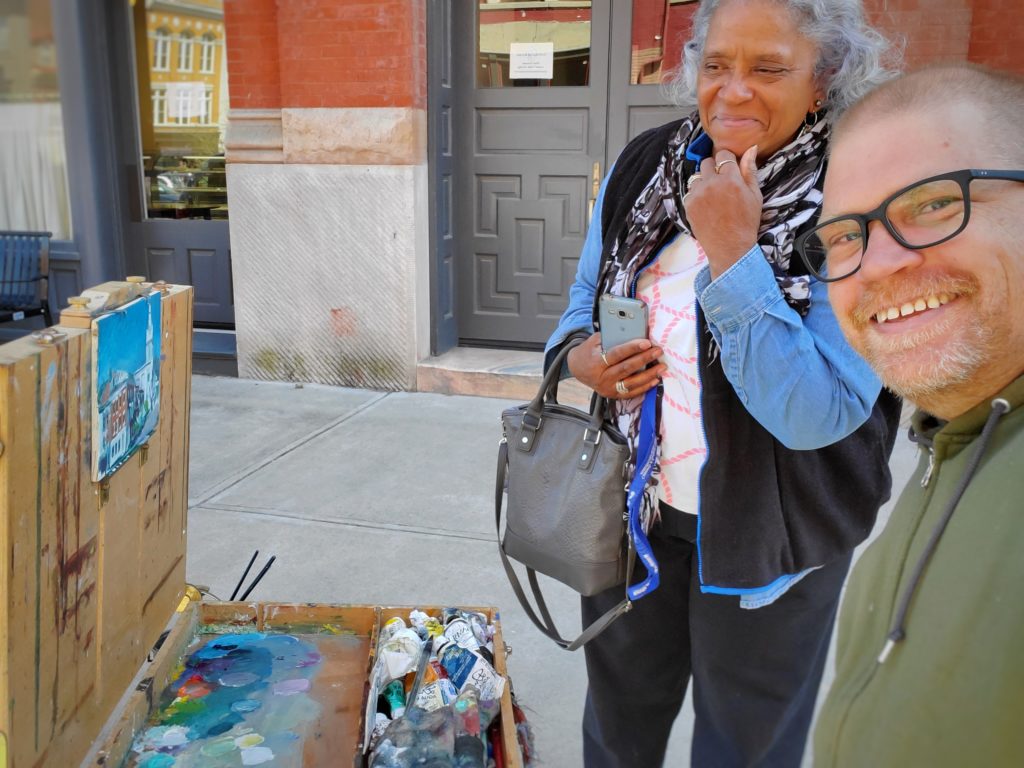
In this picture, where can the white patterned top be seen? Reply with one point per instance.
(667, 286)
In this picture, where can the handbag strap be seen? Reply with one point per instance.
(548, 392)
(545, 623)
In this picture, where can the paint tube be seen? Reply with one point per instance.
(466, 668)
(435, 695)
(461, 633)
(394, 695)
(418, 621)
(433, 626)
(481, 629)
(449, 614)
(391, 626)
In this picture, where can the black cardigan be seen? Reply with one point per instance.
(766, 510)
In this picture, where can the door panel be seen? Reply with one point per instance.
(529, 149)
(524, 183)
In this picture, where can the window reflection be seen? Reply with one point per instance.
(533, 43)
(660, 28)
(34, 182)
(183, 107)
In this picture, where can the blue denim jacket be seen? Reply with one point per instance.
(796, 376)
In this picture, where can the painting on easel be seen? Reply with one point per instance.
(126, 389)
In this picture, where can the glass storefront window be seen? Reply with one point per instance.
(34, 182)
(660, 27)
(183, 107)
(533, 43)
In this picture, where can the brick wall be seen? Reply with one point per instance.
(326, 53)
(254, 79)
(989, 32)
(997, 34)
(931, 30)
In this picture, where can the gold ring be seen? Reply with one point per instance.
(606, 363)
(621, 388)
(694, 178)
(721, 165)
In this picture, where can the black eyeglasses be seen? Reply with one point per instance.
(926, 213)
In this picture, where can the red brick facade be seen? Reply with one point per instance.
(326, 53)
(997, 34)
(372, 53)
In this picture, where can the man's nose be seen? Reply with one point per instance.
(885, 256)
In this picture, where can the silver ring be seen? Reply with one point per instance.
(721, 165)
(606, 363)
(694, 177)
(621, 388)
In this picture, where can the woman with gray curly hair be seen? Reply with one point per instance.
(759, 439)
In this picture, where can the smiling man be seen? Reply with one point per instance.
(922, 240)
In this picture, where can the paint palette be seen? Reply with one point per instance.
(253, 698)
(239, 684)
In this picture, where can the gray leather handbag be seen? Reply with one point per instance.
(565, 471)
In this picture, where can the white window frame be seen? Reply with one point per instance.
(207, 49)
(159, 97)
(185, 49)
(206, 118)
(161, 51)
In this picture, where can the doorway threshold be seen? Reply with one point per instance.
(510, 374)
(214, 352)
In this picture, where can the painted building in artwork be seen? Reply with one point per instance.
(397, 192)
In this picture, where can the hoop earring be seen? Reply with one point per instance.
(810, 120)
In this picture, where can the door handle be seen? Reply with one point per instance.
(595, 187)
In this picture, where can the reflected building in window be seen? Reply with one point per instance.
(183, 100)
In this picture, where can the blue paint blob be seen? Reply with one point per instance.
(241, 672)
(157, 760)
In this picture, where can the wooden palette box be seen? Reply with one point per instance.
(345, 637)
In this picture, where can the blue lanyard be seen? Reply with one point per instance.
(646, 455)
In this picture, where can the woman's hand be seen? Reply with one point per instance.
(724, 207)
(626, 363)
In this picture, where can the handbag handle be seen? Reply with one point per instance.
(548, 392)
(547, 625)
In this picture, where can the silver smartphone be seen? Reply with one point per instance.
(622, 319)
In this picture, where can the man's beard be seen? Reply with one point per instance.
(931, 371)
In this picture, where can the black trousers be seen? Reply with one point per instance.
(755, 672)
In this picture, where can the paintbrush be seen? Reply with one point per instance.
(421, 668)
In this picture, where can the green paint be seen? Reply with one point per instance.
(218, 748)
(182, 711)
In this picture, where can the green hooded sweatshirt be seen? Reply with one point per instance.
(951, 691)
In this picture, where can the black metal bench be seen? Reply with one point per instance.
(24, 272)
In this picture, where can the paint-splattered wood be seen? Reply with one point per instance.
(75, 567)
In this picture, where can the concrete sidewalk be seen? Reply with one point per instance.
(381, 498)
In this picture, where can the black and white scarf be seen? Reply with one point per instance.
(788, 182)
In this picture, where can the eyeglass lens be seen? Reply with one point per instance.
(921, 216)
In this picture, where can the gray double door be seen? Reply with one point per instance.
(527, 167)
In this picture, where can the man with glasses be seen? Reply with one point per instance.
(921, 239)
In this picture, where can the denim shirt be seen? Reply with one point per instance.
(797, 376)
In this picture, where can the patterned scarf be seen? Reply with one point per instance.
(788, 182)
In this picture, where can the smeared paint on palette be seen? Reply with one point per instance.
(258, 699)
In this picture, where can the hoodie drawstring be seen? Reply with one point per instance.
(897, 631)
